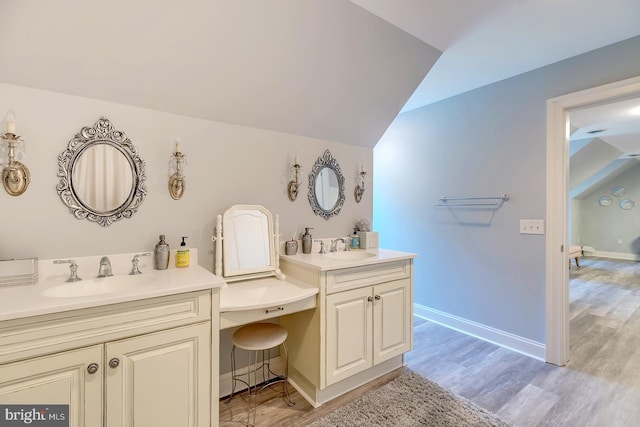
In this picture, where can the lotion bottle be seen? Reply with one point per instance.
(307, 241)
(182, 255)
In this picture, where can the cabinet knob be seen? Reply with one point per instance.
(377, 297)
(114, 363)
(369, 299)
(92, 368)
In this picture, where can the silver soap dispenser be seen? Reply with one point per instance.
(161, 255)
(307, 241)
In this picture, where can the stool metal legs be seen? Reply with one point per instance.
(267, 378)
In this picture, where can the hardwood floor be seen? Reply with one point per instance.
(599, 387)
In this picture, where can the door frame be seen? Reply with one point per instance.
(557, 273)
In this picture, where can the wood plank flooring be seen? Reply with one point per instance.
(599, 387)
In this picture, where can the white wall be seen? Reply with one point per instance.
(473, 264)
(227, 164)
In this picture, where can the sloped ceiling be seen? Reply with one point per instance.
(617, 123)
(321, 68)
(490, 40)
(605, 143)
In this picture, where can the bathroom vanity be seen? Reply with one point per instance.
(120, 351)
(362, 325)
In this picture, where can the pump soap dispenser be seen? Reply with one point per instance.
(307, 241)
(161, 254)
(355, 239)
(182, 255)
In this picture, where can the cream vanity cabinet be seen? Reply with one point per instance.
(360, 330)
(140, 363)
(366, 326)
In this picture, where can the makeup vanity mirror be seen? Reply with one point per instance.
(101, 175)
(326, 186)
(246, 243)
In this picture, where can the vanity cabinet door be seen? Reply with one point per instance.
(367, 326)
(71, 378)
(392, 331)
(160, 379)
(349, 333)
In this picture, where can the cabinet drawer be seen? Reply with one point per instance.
(357, 277)
(39, 335)
(230, 319)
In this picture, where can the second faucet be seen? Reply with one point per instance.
(105, 267)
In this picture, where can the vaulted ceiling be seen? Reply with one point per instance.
(322, 68)
(332, 69)
(605, 143)
(490, 40)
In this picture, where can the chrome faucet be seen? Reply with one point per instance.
(73, 269)
(105, 267)
(334, 244)
(135, 270)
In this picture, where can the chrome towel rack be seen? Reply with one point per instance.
(472, 201)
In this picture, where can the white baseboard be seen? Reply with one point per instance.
(614, 255)
(225, 379)
(486, 333)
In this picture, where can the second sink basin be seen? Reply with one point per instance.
(349, 255)
(106, 285)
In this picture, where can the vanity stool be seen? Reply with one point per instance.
(255, 338)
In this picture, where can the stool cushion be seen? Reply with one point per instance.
(575, 251)
(259, 336)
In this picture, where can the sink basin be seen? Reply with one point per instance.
(106, 285)
(349, 255)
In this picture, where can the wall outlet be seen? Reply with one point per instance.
(531, 226)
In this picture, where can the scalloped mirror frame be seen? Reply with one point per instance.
(326, 161)
(102, 132)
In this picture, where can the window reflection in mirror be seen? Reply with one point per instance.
(327, 189)
(102, 178)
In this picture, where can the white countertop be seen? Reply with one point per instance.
(324, 262)
(261, 293)
(33, 300)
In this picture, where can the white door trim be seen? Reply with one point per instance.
(557, 273)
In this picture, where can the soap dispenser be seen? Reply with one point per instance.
(355, 239)
(307, 241)
(182, 255)
(161, 254)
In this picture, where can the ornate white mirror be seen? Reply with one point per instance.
(326, 186)
(246, 243)
(101, 175)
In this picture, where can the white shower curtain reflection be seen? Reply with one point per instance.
(102, 178)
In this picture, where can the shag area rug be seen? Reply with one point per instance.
(410, 400)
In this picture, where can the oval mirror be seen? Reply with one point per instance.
(326, 186)
(101, 175)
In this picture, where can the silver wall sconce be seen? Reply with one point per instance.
(177, 164)
(292, 189)
(359, 190)
(15, 175)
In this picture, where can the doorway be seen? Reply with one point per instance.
(557, 274)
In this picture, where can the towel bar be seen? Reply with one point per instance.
(472, 201)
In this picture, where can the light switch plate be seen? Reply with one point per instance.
(531, 226)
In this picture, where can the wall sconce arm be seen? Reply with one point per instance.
(359, 190)
(292, 188)
(176, 179)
